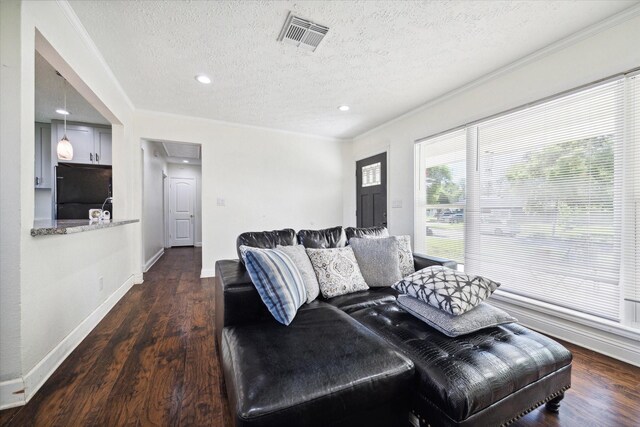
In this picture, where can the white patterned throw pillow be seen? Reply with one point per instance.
(449, 290)
(337, 271)
(406, 255)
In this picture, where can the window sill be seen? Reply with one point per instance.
(604, 336)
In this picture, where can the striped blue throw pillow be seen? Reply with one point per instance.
(277, 280)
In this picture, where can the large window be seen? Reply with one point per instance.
(442, 192)
(549, 196)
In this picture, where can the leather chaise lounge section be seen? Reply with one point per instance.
(359, 359)
(473, 379)
(310, 372)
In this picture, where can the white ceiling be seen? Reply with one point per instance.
(382, 58)
(49, 95)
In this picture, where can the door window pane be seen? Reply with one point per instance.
(371, 175)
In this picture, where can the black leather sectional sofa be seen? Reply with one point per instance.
(360, 360)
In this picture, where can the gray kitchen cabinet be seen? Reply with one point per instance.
(81, 139)
(102, 146)
(42, 171)
(91, 144)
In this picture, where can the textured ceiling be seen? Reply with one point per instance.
(182, 150)
(177, 152)
(49, 95)
(381, 58)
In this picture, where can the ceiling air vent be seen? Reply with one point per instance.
(302, 33)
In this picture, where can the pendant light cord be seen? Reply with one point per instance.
(65, 107)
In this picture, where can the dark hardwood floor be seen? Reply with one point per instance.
(152, 361)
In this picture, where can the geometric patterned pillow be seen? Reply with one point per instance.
(449, 290)
(277, 280)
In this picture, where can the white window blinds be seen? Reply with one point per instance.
(550, 196)
(550, 202)
(631, 197)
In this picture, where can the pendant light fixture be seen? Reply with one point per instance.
(65, 149)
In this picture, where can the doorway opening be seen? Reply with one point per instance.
(172, 197)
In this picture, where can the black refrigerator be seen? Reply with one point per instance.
(80, 188)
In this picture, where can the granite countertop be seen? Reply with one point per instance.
(69, 226)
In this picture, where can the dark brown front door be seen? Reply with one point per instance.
(371, 191)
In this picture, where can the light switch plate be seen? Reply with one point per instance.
(221, 202)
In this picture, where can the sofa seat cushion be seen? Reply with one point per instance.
(464, 375)
(363, 299)
(317, 371)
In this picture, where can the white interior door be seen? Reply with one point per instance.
(182, 194)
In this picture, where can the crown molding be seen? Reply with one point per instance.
(77, 25)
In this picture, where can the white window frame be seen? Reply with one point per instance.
(629, 327)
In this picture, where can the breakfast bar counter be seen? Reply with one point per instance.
(70, 226)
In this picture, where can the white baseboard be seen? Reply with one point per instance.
(198, 244)
(207, 272)
(34, 379)
(138, 278)
(11, 393)
(623, 345)
(153, 260)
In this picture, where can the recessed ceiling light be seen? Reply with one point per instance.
(62, 111)
(205, 80)
(185, 161)
(343, 108)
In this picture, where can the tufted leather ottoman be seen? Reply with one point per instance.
(323, 369)
(490, 377)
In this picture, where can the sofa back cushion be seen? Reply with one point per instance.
(265, 239)
(351, 232)
(322, 239)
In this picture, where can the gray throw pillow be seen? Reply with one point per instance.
(337, 271)
(405, 255)
(449, 290)
(301, 260)
(378, 260)
(481, 317)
